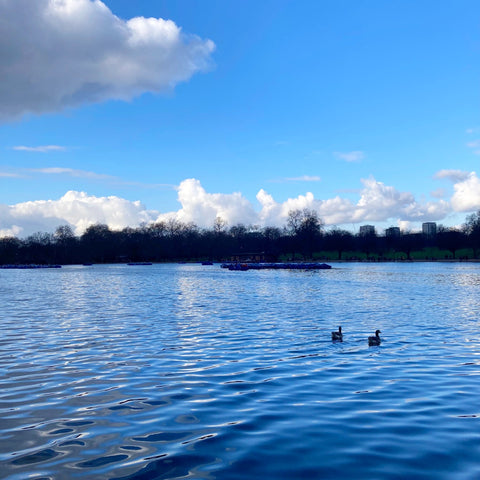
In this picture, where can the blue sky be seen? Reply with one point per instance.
(366, 111)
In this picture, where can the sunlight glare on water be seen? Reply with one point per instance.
(190, 371)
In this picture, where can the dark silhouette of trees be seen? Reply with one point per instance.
(245, 239)
(408, 242)
(9, 250)
(98, 244)
(305, 228)
(368, 243)
(172, 240)
(220, 240)
(133, 245)
(39, 248)
(393, 242)
(293, 229)
(190, 241)
(65, 245)
(270, 241)
(450, 239)
(471, 229)
(340, 241)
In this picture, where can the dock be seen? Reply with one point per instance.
(276, 266)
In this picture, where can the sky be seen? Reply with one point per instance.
(126, 113)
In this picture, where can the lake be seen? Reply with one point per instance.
(196, 372)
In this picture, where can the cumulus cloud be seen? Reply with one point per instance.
(467, 194)
(78, 51)
(13, 231)
(76, 209)
(202, 208)
(466, 186)
(354, 156)
(404, 225)
(376, 202)
(40, 148)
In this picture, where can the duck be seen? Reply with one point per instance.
(337, 336)
(376, 340)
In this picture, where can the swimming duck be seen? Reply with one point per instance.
(376, 340)
(337, 336)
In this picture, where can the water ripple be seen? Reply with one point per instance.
(184, 371)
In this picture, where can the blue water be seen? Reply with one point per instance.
(190, 371)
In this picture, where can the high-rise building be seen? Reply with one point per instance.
(392, 232)
(429, 229)
(367, 230)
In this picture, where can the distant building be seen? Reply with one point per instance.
(392, 232)
(367, 230)
(429, 229)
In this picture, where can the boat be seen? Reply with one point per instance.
(236, 266)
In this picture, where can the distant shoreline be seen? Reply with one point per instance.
(443, 260)
(195, 262)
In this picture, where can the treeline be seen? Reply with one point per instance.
(303, 238)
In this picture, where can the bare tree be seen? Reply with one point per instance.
(472, 230)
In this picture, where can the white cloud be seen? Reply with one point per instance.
(438, 193)
(377, 202)
(275, 214)
(76, 209)
(40, 148)
(466, 186)
(13, 231)
(72, 172)
(475, 145)
(202, 208)
(9, 175)
(304, 178)
(78, 51)
(467, 194)
(354, 156)
(404, 225)
(452, 175)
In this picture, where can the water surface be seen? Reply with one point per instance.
(190, 371)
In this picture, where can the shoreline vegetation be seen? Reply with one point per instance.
(302, 239)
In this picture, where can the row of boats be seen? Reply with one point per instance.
(28, 266)
(229, 265)
(275, 266)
